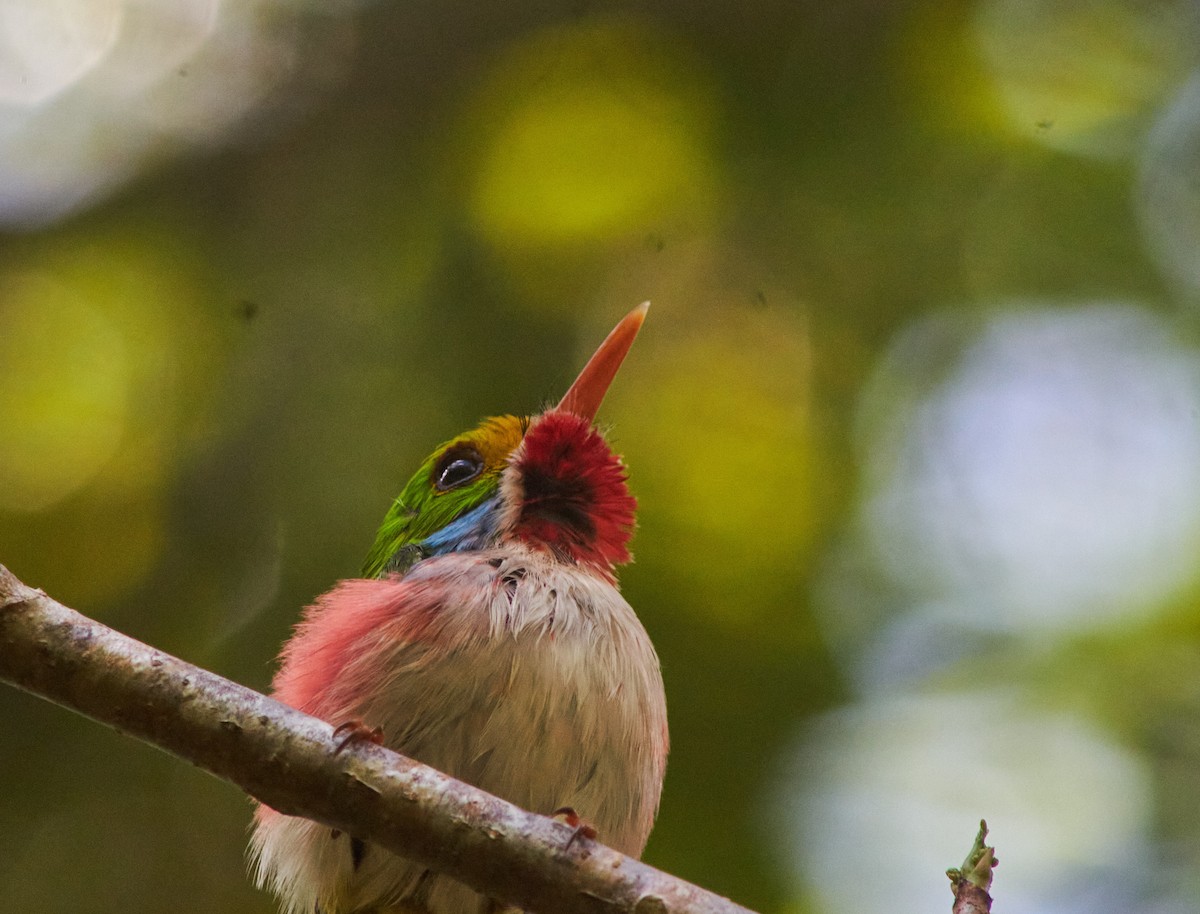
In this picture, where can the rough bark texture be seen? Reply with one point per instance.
(286, 759)
(971, 899)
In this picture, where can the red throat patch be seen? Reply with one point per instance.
(573, 493)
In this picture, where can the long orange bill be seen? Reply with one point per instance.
(586, 394)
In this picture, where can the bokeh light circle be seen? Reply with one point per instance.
(1168, 197)
(92, 92)
(585, 130)
(1084, 77)
(64, 391)
(878, 799)
(1038, 471)
(106, 375)
(717, 428)
(47, 45)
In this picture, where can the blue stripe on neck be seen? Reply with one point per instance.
(473, 530)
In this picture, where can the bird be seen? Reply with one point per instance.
(486, 637)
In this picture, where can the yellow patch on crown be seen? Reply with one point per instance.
(495, 439)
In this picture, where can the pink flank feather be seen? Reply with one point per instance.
(334, 630)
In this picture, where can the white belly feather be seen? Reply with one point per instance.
(548, 694)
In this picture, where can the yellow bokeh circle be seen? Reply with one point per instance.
(64, 391)
(586, 130)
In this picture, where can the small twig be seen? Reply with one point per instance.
(972, 881)
(288, 761)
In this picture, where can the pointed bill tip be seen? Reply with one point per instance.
(587, 393)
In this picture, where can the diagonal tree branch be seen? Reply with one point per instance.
(286, 759)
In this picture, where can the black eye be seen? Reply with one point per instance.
(456, 468)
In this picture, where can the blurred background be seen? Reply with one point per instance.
(914, 423)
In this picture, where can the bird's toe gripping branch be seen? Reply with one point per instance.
(569, 817)
(355, 731)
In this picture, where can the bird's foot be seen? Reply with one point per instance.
(355, 731)
(569, 817)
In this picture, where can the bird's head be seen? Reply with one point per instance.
(549, 480)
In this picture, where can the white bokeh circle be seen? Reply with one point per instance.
(1037, 470)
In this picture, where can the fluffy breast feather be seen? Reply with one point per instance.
(524, 676)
